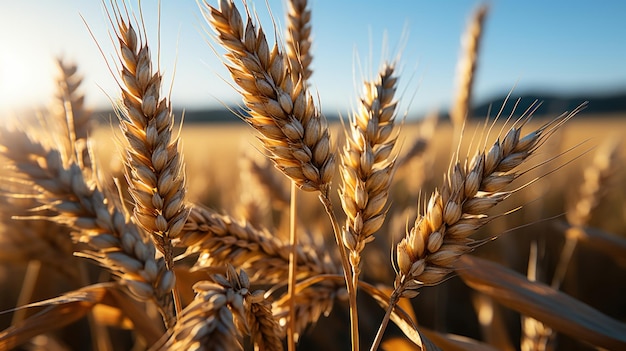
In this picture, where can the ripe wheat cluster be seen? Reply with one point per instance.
(172, 273)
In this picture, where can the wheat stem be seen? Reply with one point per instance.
(347, 272)
(293, 265)
(393, 300)
(26, 292)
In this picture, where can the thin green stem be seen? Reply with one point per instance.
(350, 284)
(293, 241)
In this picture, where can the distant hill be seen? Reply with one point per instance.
(209, 115)
(554, 104)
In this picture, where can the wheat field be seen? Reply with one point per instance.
(282, 230)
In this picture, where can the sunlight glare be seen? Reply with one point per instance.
(15, 79)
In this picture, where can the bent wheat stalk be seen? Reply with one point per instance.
(425, 256)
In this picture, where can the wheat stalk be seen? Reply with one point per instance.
(425, 256)
(292, 129)
(367, 169)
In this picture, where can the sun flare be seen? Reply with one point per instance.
(15, 78)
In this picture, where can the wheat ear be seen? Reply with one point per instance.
(311, 303)
(220, 240)
(368, 164)
(367, 168)
(597, 178)
(70, 105)
(154, 164)
(425, 256)
(466, 70)
(220, 312)
(291, 127)
(262, 191)
(114, 242)
(299, 38)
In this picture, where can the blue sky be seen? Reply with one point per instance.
(562, 46)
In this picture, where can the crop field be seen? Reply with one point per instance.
(282, 230)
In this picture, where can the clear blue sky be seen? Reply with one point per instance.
(567, 46)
